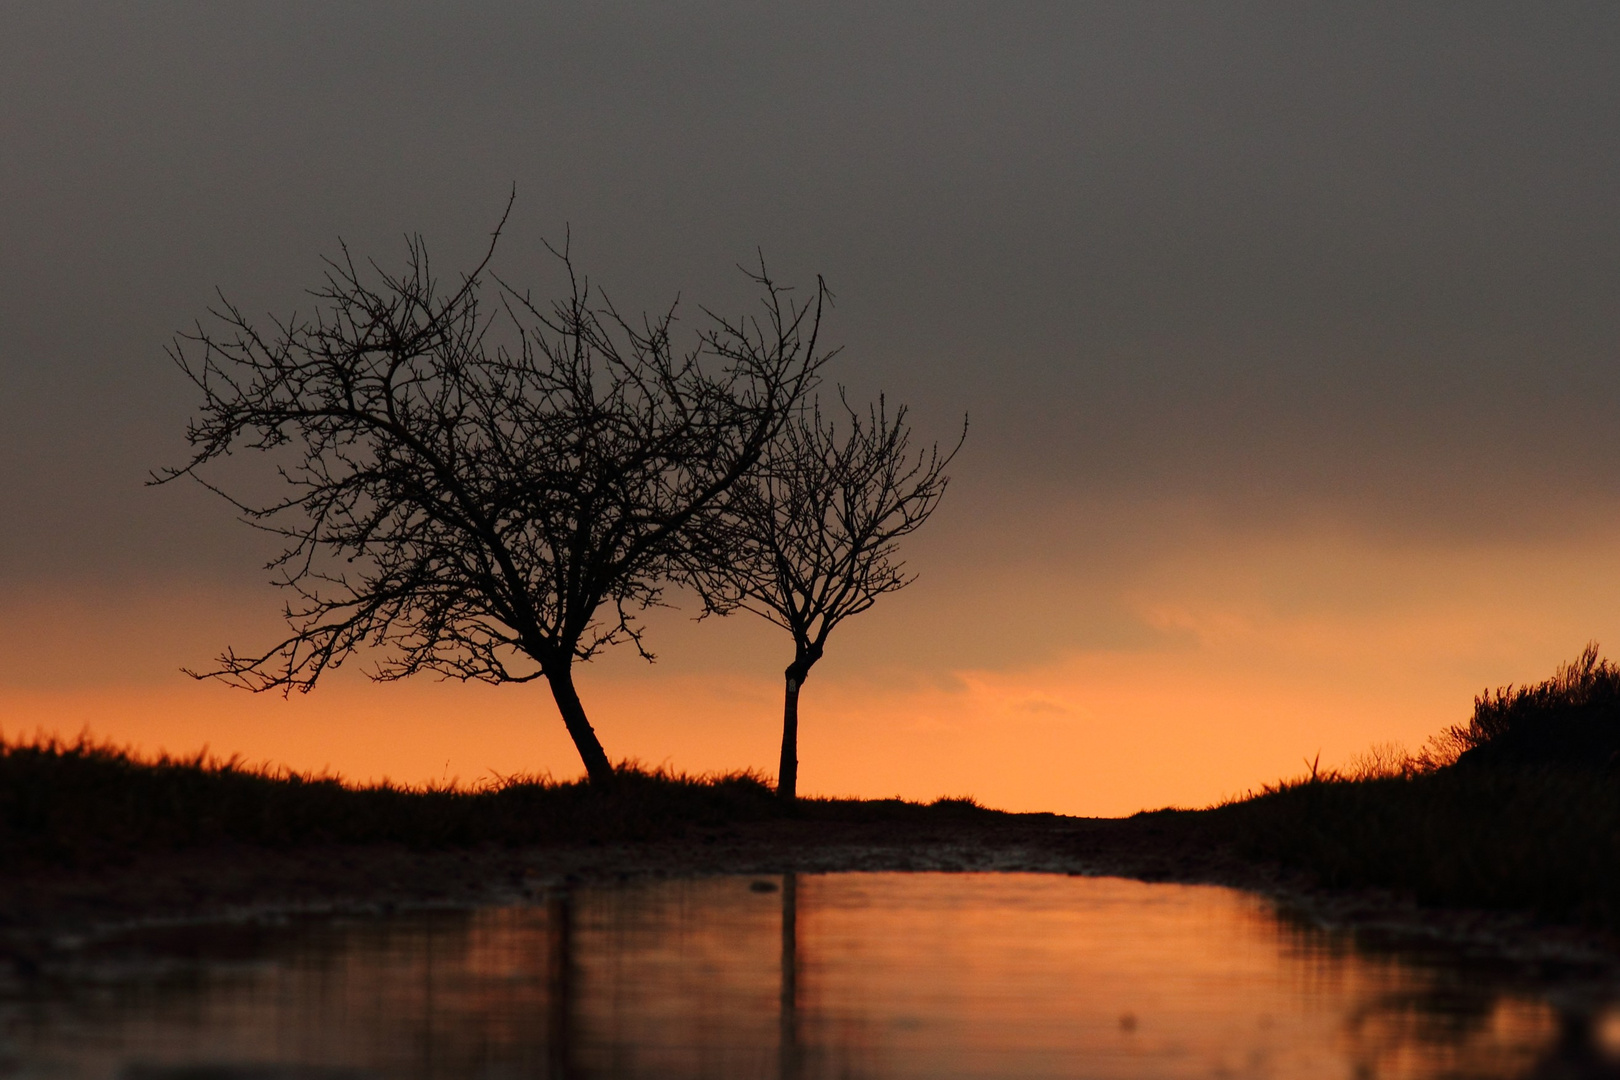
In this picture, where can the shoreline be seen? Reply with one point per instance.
(46, 911)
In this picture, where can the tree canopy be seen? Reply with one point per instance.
(816, 528)
(479, 484)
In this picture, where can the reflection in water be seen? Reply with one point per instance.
(788, 1016)
(560, 1000)
(840, 975)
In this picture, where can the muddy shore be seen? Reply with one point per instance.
(46, 908)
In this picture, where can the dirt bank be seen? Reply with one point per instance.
(43, 907)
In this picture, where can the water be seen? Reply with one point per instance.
(837, 975)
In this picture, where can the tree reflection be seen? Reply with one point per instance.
(880, 975)
(560, 995)
(788, 1064)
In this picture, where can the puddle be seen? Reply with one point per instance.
(834, 975)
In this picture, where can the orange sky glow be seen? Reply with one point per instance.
(1235, 662)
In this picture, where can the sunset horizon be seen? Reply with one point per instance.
(1286, 344)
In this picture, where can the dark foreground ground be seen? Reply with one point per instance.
(217, 878)
(43, 904)
(1522, 861)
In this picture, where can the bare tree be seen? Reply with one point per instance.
(483, 491)
(816, 534)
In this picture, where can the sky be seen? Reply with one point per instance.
(1286, 333)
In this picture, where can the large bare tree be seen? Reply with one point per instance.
(483, 490)
(816, 531)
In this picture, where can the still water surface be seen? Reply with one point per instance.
(837, 975)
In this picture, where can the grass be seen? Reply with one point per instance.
(86, 801)
(83, 802)
(1517, 810)
(1544, 841)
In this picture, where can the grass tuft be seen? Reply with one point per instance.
(1517, 810)
(86, 801)
(1571, 720)
(1545, 841)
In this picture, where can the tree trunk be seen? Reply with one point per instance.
(787, 773)
(589, 746)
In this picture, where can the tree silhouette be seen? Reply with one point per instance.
(816, 534)
(483, 491)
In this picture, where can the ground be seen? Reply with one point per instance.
(43, 908)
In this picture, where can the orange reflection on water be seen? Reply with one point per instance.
(842, 975)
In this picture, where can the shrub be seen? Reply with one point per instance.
(1571, 720)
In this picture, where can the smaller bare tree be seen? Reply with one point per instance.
(815, 536)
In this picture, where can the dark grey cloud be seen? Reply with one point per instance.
(1358, 259)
